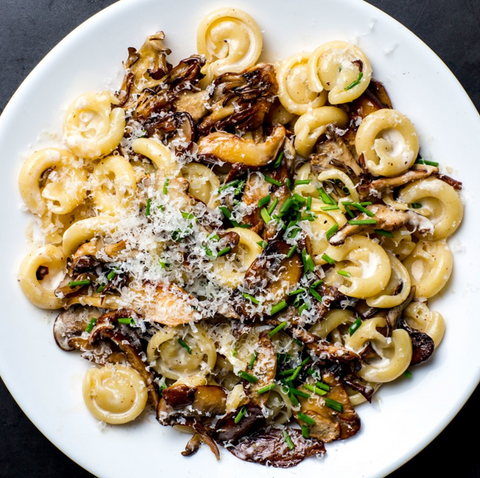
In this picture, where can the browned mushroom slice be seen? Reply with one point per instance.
(375, 187)
(144, 68)
(423, 345)
(387, 219)
(333, 415)
(193, 103)
(334, 153)
(233, 149)
(280, 448)
(228, 429)
(241, 100)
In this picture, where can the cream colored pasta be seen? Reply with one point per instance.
(340, 68)
(280, 405)
(231, 41)
(313, 124)
(236, 398)
(430, 266)
(331, 324)
(40, 292)
(230, 271)
(440, 203)
(337, 175)
(159, 154)
(114, 394)
(388, 141)
(394, 353)
(65, 185)
(93, 126)
(293, 91)
(400, 244)
(419, 316)
(114, 183)
(317, 233)
(365, 264)
(180, 352)
(203, 183)
(397, 289)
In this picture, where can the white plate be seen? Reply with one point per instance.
(46, 382)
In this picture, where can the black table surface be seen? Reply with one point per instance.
(30, 28)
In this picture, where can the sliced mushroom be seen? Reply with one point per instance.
(387, 219)
(233, 149)
(269, 447)
(227, 430)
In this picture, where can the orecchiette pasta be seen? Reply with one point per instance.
(159, 154)
(114, 394)
(93, 127)
(203, 183)
(388, 141)
(340, 68)
(419, 316)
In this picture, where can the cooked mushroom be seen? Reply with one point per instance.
(270, 447)
(232, 149)
(387, 219)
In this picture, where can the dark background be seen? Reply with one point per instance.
(30, 28)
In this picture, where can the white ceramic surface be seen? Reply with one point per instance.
(46, 382)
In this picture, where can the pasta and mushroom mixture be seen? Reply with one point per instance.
(247, 249)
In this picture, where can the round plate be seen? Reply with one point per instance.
(46, 382)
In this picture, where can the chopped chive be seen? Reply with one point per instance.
(101, 287)
(362, 222)
(264, 201)
(299, 182)
(292, 251)
(328, 259)
(297, 291)
(265, 216)
(329, 208)
(91, 324)
(355, 326)
(240, 415)
(331, 231)
(126, 320)
(429, 163)
(315, 294)
(308, 264)
(334, 405)
(251, 298)
(309, 203)
(189, 216)
(300, 393)
(247, 376)
(288, 440)
(262, 244)
(272, 181)
(278, 161)
(165, 186)
(286, 206)
(303, 307)
(111, 275)
(185, 346)
(381, 232)
(322, 386)
(265, 389)
(230, 184)
(308, 217)
(279, 327)
(305, 418)
(224, 251)
(214, 237)
(299, 199)
(358, 206)
(354, 83)
(349, 212)
(416, 205)
(344, 273)
(317, 283)
(76, 283)
(272, 206)
(149, 205)
(286, 373)
(234, 352)
(407, 374)
(252, 360)
(305, 431)
(293, 398)
(314, 389)
(209, 252)
(226, 212)
(326, 198)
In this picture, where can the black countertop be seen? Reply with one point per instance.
(30, 28)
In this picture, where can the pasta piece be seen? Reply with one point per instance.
(340, 68)
(388, 141)
(293, 91)
(331, 326)
(180, 352)
(419, 316)
(65, 182)
(440, 203)
(114, 184)
(430, 266)
(231, 41)
(41, 291)
(203, 183)
(159, 154)
(400, 244)
(230, 269)
(364, 267)
(394, 353)
(93, 127)
(313, 124)
(114, 394)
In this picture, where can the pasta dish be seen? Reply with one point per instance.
(246, 249)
